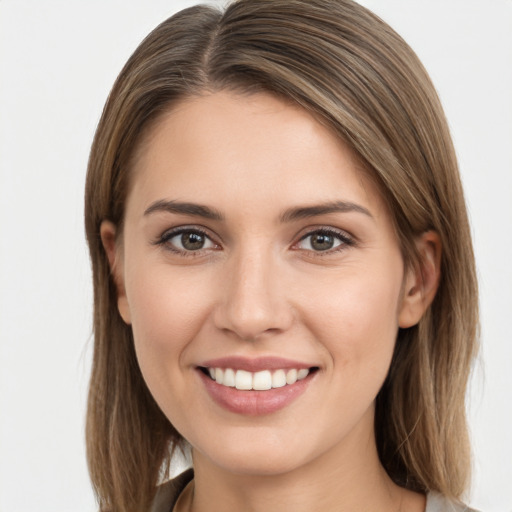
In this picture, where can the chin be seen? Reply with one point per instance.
(258, 453)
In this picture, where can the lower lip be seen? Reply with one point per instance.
(254, 403)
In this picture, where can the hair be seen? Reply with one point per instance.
(350, 70)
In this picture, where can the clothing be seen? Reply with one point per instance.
(169, 492)
(436, 503)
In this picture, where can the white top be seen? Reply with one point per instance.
(437, 503)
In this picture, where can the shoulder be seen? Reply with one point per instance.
(438, 503)
(168, 493)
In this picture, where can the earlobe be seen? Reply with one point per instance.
(108, 239)
(422, 281)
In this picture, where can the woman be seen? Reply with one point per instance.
(283, 272)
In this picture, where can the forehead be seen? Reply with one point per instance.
(224, 146)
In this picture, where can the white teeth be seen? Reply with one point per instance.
(262, 380)
(279, 379)
(243, 380)
(258, 381)
(302, 373)
(291, 376)
(229, 378)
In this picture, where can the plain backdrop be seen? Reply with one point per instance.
(58, 60)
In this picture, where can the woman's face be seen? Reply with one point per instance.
(255, 250)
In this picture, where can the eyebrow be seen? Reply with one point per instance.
(323, 209)
(184, 208)
(290, 215)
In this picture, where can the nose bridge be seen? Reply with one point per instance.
(253, 300)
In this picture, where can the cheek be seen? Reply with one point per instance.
(357, 320)
(167, 310)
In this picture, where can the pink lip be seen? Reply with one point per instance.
(254, 365)
(253, 403)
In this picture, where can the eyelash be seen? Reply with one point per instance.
(167, 236)
(344, 238)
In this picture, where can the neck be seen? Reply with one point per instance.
(347, 478)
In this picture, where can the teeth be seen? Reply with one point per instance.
(258, 381)
(229, 378)
(243, 379)
(291, 376)
(279, 379)
(262, 380)
(302, 373)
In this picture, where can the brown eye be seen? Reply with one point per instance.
(321, 242)
(192, 241)
(187, 241)
(324, 240)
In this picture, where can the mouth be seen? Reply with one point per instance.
(255, 387)
(262, 380)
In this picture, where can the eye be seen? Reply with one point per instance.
(324, 240)
(187, 240)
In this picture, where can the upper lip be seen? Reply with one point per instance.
(255, 364)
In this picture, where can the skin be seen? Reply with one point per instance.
(259, 288)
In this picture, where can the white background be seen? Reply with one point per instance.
(58, 60)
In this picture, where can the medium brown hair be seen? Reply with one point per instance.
(352, 72)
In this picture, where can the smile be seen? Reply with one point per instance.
(258, 386)
(258, 381)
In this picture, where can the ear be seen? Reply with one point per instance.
(422, 281)
(111, 246)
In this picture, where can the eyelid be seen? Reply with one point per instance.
(168, 234)
(347, 240)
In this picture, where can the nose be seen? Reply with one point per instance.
(253, 299)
